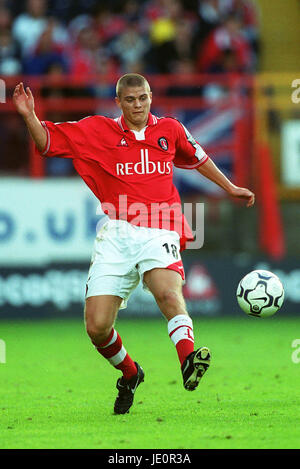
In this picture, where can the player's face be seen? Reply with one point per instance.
(135, 103)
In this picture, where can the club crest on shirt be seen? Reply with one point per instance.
(122, 143)
(163, 143)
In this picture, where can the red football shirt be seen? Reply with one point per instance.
(130, 173)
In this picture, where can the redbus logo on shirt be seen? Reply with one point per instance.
(144, 166)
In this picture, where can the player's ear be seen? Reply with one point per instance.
(117, 101)
(150, 94)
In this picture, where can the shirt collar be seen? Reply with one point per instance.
(152, 120)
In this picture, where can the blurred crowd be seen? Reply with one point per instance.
(77, 38)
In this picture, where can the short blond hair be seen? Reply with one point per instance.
(131, 80)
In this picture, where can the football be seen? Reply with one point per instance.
(260, 293)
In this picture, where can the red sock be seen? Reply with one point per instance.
(113, 350)
(180, 330)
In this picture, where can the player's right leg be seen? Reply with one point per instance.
(100, 315)
(111, 279)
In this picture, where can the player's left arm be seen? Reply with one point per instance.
(190, 155)
(213, 173)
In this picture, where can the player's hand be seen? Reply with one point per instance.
(243, 193)
(23, 100)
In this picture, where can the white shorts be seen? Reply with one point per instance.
(124, 252)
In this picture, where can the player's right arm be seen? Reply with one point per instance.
(60, 139)
(24, 103)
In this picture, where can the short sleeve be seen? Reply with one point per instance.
(189, 154)
(66, 139)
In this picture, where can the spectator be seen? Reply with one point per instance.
(88, 55)
(249, 14)
(28, 27)
(5, 17)
(226, 49)
(15, 8)
(77, 24)
(46, 54)
(108, 25)
(162, 33)
(33, 20)
(163, 27)
(209, 18)
(178, 50)
(132, 12)
(130, 48)
(10, 63)
(155, 9)
(182, 45)
(10, 54)
(67, 9)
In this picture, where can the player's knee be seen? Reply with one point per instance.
(99, 318)
(98, 329)
(170, 300)
(98, 324)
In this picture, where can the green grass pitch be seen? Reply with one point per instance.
(57, 392)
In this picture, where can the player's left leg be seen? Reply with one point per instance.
(166, 287)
